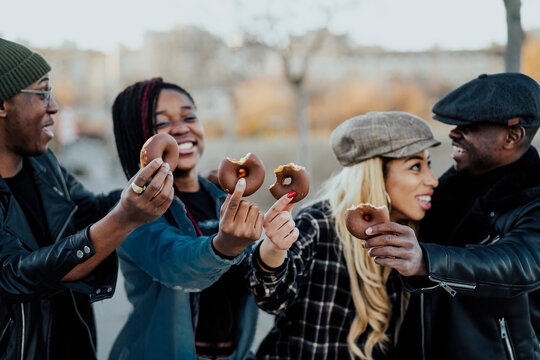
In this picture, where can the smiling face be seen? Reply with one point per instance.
(26, 125)
(477, 147)
(409, 183)
(175, 115)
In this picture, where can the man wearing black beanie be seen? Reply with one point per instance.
(57, 240)
(475, 283)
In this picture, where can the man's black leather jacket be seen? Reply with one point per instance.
(30, 275)
(481, 299)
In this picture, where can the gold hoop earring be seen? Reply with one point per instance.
(389, 201)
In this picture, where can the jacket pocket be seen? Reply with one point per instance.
(506, 340)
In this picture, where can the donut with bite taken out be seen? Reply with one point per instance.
(250, 167)
(291, 177)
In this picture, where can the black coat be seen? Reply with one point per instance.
(481, 243)
(31, 275)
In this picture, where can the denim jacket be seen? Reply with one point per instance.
(162, 264)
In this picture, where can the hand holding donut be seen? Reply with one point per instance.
(279, 226)
(280, 231)
(250, 167)
(240, 224)
(291, 177)
(394, 245)
(154, 198)
(360, 217)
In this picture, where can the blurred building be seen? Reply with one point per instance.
(212, 70)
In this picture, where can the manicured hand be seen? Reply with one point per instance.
(394, 245)
(279, 226)
(240, 223)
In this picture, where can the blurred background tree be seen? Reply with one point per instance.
(515, 35)
(273, 28)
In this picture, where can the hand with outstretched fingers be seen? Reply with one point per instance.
(280, 231)
(394, 245)
(240, 223)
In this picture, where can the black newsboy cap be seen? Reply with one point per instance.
(506, 98)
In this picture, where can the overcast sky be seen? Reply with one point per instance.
(393, 24)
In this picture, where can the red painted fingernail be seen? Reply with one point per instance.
(291, 194)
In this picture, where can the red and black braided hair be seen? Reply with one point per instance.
(133, 115)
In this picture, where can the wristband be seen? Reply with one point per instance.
(262, 265)
(223, 256)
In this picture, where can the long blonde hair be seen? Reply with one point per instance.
(361, 183)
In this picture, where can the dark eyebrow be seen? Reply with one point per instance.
(415, 157)
(187, 107)
(46, 78)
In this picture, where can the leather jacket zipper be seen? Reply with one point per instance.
(422, 326)
(66, 222)
(22, 331)
(449, 286)
(506, 338)
(5, 329)
(84, 323)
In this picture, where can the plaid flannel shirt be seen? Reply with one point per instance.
(311, 295)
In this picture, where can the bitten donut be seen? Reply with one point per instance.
(291, 177)
(359, 218)
(249, 167)
(160, 145)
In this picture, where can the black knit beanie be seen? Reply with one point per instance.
(19, 67)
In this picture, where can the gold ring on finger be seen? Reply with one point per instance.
(137, 189)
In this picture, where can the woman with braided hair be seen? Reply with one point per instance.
(181, 272)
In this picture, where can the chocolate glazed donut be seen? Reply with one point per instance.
(249, 167)
(160, 145)
(359, 218)
(291, 177)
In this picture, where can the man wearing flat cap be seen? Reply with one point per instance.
(57, 240)
(475, 292)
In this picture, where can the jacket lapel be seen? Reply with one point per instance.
(57, 206)
(15, 221)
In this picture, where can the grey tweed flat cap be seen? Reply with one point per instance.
(392, 134)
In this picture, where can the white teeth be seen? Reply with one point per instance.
(458, 149)
(424, 198)
(185, 146)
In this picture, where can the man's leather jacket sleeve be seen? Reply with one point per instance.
(26, 275)
(504, 268)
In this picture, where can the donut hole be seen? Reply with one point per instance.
(367, 217)
(242, 172)
(287, 181)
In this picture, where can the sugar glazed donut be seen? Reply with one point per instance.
(359, 218)
(160, 145)
(249, 167)
(291, 177)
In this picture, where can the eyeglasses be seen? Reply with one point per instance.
(45, 95)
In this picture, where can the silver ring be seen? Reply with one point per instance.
(137, 189)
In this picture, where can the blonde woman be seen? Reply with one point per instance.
(331, 299)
